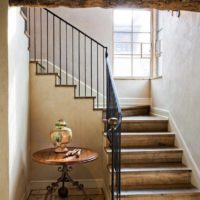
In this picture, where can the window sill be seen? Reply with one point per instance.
(131, 78)
(156, 77)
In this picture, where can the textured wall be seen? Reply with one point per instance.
(4, 182)
(18, 105)
(48, 104)
(179, 89)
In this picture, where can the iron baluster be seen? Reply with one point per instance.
(53, 44)
(85, 52)
(66, 57)
(60, 51)
(97, 76)
(91, 66)
(41, 38)
(79, 66)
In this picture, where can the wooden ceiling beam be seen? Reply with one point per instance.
(190, 5)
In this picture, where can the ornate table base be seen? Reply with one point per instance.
(65, 177)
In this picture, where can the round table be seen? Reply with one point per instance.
(50, 157)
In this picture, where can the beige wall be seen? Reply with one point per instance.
(179, 89)
(97, 23)
(13, 104)
(18, 105)
(133, 92)
(4, 178)
(48, 104)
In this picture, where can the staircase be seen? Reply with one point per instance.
(151, 165)
(142, 160)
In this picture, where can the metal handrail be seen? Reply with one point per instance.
(114, 120)
(69, 24)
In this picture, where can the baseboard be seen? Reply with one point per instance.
(128, 102)
(26, 194)
(88, 183)
(106, 192)
(180, 142)
(159, 112)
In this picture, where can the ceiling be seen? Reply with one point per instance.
(191, 5)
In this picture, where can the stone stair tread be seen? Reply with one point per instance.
(130, 107)
(151, 169)
(151, 165)
(135, 150)
(148, 192)
(145, 133)
(143, 118)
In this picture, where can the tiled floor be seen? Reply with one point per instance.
(74, 194)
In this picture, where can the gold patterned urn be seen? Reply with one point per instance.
(61, 135)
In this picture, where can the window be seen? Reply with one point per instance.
(159, 44)
(132, 43)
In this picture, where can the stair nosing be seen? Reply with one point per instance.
(129, 134)
(133, 150)
(159, 192)
(159, 169)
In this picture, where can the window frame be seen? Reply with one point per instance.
(155, 66)
(132, 77)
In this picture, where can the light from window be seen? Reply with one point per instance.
(132, 43)
(159, 47)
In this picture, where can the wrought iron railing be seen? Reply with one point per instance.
(114, 119)
(77, 59)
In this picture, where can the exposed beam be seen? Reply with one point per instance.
(191, 5)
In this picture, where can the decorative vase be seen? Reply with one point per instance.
(61, 135)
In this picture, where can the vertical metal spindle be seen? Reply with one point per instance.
(41, 39)
(66, 58)
(60, 50)
(103, 79)
(79, 65)
(73, 55)
(29, 31)
(97, 76)
(47, 42)
(91, 66)
(53, 44)
(85, 63)
(34, 35)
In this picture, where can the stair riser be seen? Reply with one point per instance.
(143, 111)
(131, 180)
(164, 197)
(145, 126)
(150, 157)
(136, 111)
(148, 141)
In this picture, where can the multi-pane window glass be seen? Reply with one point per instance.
(159, 43)
(132, 42)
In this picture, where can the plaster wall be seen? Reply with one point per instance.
(18, 59)
(178, 91)
(4, 172)
(97, 23)
(48, 104)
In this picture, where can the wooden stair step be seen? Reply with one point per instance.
(150, 139)
(138, 110)
(148, 155)
(151, 165)
(154, 177)
(161, 194)
(144, 124)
